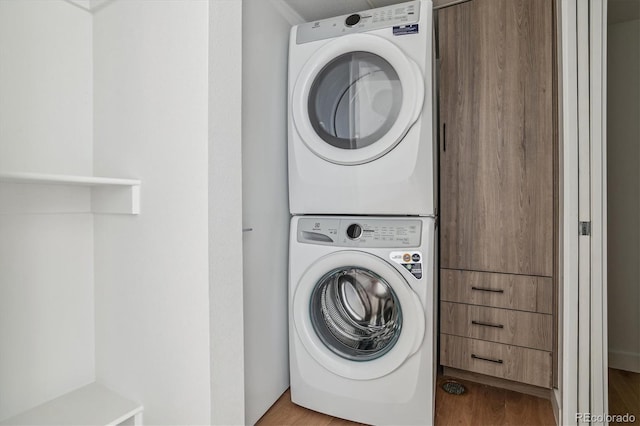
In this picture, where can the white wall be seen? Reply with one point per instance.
(169, 311)
(623, 188)
(46, 260)
(45, 87)
(151, 271)
(265, 206)
(225, 212)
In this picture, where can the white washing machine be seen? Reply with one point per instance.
(362, 317)
(361, 113)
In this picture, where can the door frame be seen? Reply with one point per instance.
(598, 187)
(583, 271)
(566, 396)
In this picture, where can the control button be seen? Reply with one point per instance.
(415, 257)
(352, 20)
(354, 231)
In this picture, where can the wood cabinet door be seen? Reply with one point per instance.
(496, 136)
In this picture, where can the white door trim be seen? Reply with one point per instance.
(584, 208)
(568, 300)
(598, 189)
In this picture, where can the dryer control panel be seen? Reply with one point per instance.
(360, 232)
(398, 15)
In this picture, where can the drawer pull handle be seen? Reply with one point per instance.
(487, 289)
(497, 361)
(487, 324)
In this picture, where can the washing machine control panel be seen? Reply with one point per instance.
(360, 232)
(398, 15)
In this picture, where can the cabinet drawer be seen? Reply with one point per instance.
(522, 292)
(497, 325)
(494, 359)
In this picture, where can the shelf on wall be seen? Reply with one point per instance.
(108, 195)
(93, 404)
(50, 179)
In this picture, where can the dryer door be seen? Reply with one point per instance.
(357, 315)
(356, 98)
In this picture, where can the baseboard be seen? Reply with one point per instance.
(499, 383)
(628, 361)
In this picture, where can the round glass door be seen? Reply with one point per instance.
(356, 314)
(355, 100)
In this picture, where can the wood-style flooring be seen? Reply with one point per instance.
(624, 393)
(479, 405)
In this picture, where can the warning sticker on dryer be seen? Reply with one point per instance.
(405, 29)
(410, 260)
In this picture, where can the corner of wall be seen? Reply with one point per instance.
(287, 12)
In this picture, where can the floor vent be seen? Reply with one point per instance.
(453, 387)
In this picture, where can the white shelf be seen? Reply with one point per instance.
(108, 195)
(90, 405)
(49, 179)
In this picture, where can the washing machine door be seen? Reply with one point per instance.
(356, 98)
(357, 316)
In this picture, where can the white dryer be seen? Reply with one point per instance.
(362, 317)
(361, 113)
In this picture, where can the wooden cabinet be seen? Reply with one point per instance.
(497, 156)
(496, 136)
(526, 329)
(515, 363)
(520, 292)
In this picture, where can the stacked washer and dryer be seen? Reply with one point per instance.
(362, 281)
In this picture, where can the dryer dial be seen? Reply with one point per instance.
(352, 20)
(354, 231)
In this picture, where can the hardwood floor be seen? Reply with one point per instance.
(479, 405)
(624, 393)
(285, 412)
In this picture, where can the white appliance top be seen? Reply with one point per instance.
(360, 232)
(402, 17)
